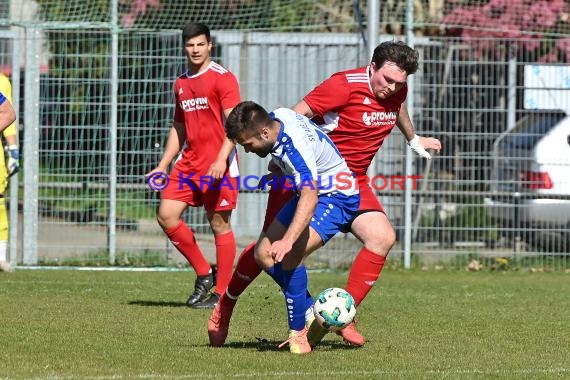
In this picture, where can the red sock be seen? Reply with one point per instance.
(364, 272)
(183, 239)
(246, 271)
(225, 257)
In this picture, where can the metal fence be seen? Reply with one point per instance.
(96, 119)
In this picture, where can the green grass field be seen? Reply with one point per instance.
(118, 325)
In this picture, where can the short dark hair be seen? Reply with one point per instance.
(397, 52)
(195, 29)
(246, 118)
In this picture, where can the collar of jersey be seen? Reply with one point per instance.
(281, 138)
(188, 75)
(369, 74)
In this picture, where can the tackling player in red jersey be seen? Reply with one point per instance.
(367, 103)
(205, 95)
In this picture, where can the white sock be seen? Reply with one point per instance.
(309, 314)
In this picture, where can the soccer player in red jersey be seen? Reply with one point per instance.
(204, 174)
(359, 108)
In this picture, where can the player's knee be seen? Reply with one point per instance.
(220, 228)
(381, 242)
(220, 222)
(263, 259)
(289, 264)
(388, 241)
(166, 220)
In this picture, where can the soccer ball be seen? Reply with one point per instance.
(334, 309)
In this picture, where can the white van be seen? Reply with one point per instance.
(530, 188)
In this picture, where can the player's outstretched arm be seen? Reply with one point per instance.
(303, 108)
(301, 219)
(419, 144)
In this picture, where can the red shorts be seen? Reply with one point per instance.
(197, 191)
(368, 200)
(278, 196)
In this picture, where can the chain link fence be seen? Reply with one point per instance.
(96, 105)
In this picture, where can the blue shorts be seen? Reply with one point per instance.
(335, 211)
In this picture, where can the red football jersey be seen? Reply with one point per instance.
(200, 103)
(355, 120)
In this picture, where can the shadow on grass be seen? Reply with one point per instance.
(158, 303)
(262, 344)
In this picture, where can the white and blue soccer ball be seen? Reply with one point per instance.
(334, 309)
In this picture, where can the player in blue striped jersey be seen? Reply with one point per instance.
(327, 199)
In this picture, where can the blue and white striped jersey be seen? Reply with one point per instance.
(305, 153)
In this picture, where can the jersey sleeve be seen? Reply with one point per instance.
(300, 161)
(320, 100)
(228, 91)
(178, 112)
